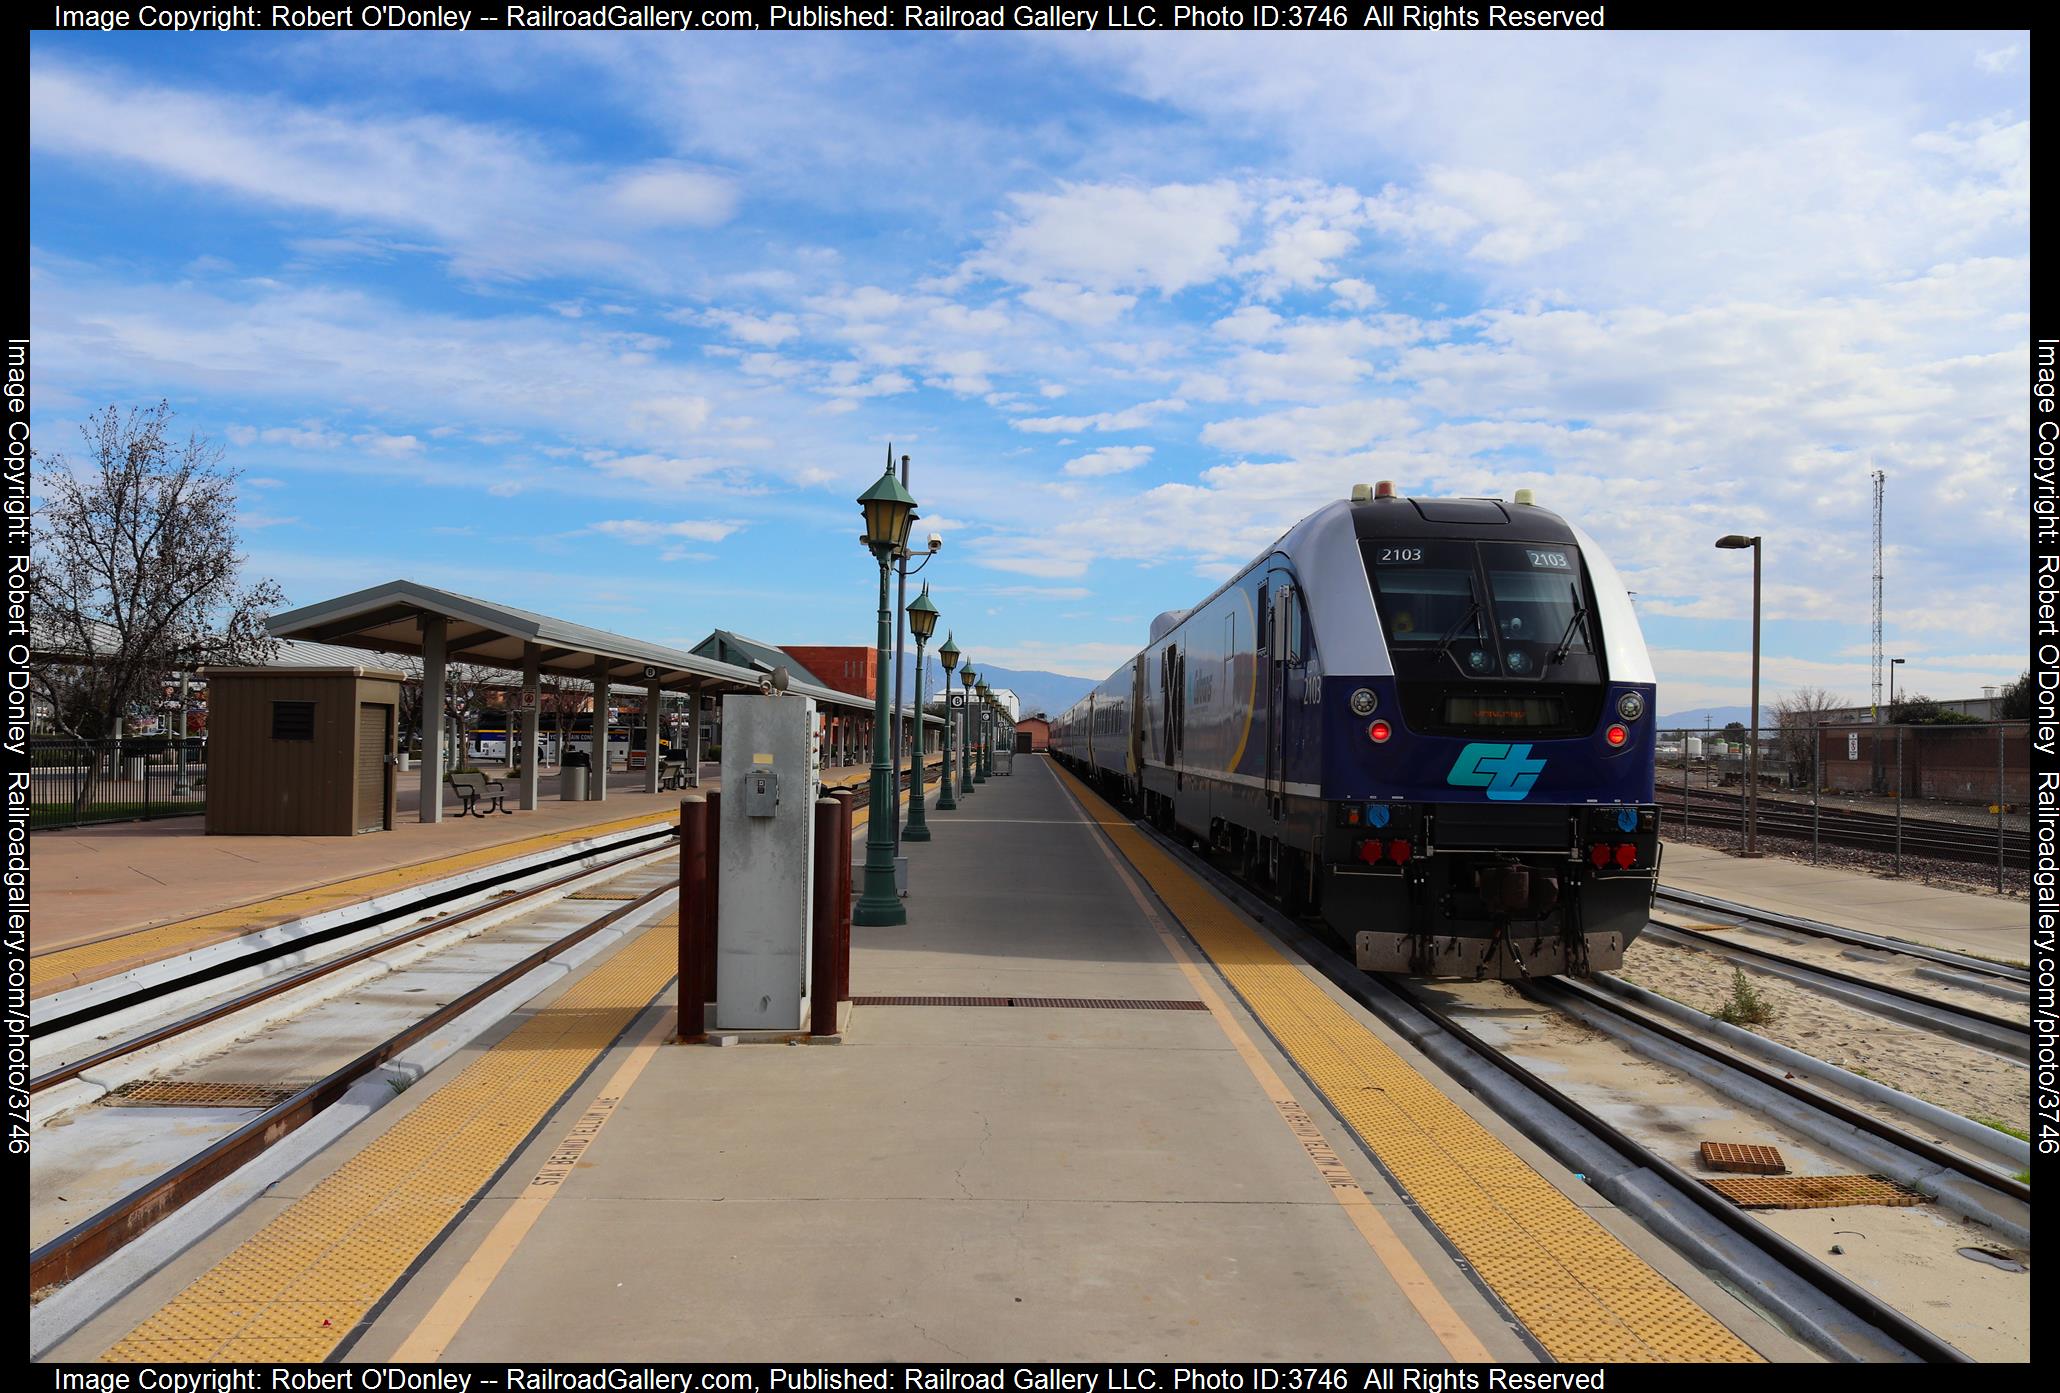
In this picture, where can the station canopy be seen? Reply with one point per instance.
(389, 618)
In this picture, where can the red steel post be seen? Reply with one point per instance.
(714, 888)
(696, 926)
(848, 800)
(823, 982)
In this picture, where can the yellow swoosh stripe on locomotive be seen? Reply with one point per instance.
(1426, 720)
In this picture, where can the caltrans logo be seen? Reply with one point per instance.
(1507, 772)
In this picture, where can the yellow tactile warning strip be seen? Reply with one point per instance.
(297, 1288)
(1813, 1191)
(1579, 1291)
(69, 967)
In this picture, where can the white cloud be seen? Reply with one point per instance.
(642, 532)
(1109, 459)
(1116, 237)
(1130, 418)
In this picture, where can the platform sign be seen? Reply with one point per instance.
(532, 695)
(957, 700)
(1852, 744)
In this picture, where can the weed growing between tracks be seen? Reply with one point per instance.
(1746, 1006)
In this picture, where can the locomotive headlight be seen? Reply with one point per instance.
(1630, 706)
(1364, 700)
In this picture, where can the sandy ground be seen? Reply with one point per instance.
(1909, 1256)
(1970, 1081)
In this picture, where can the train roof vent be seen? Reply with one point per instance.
(1472, 512)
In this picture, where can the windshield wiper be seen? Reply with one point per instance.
(1560, 650)
(1445, 643)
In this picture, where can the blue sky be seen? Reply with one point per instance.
(618, 326)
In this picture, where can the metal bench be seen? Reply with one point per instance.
(471, 786)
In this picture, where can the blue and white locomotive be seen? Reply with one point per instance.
(1426, 720)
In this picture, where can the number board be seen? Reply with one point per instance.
(1549, 560)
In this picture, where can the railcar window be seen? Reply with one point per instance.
(1427, 605)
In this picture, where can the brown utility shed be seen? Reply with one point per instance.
(305, 751)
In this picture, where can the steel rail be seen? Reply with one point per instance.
(79, 1249)
(1816, 928)
(1961, 1023)
(266, 991)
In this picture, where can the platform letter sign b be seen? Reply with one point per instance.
(1507, 772)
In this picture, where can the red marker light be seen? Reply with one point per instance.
(1616, 735)
(1626, 854)
(1398, 850)
(1379, 732)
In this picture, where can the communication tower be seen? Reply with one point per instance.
(1880, 481)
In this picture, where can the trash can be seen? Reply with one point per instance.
(133, 768)
(572, 777)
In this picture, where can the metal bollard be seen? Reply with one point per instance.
(846, 819)
(696, 924)
(822, 952)
(714, 886)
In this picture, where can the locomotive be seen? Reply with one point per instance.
(1425, 721)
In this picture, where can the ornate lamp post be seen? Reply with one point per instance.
(986, 734)
(980, 734)
(889, 511)
(946, 801)
(922, 622)
(967, 677)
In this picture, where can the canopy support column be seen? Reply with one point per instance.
(597, 779)
(433, 661)
(532, 719)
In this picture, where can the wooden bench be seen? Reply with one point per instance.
(471, 786)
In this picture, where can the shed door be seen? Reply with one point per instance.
(372, 768)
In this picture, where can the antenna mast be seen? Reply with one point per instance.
(1880, 481)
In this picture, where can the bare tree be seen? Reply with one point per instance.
(136, 572)
(467, 688)
(1797, 716)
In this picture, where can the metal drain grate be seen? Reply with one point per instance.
(1091, 1003)
(173, 1093)
(1814, 1191)
(1742, 1157)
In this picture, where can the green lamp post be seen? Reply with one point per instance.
(889, 512)
(922, 622)
(966, 678)
(986, 770)
(946, 799)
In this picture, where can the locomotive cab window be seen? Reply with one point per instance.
(1542, 620)
(1430, 601)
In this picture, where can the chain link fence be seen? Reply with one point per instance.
(1951, 792)
(74, 782)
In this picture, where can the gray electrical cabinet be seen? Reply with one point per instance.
(771, 780)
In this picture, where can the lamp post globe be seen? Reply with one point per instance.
(947, 792)
(889, 512)
(967, 677)
(922, 622)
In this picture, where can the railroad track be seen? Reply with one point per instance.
(1861, 831)
(83, 1246)
(2007, 978)
(2000, 1034)
(1832, 1312)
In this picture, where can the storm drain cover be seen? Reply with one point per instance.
(1094, 1003)
(1813, 1191)
(174, 1093)
(1741, 1157)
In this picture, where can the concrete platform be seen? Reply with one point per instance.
(948, 1182)
(1990, 926)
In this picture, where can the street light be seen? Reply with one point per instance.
(947, 800)
(967, 677)
(1893, 664)
(983, 769)
(889, 511)
(922, 622)
(1736, 542)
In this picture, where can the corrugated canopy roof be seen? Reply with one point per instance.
(388, 619)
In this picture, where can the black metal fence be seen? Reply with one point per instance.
(74, 782)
